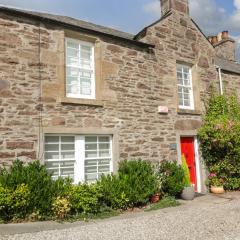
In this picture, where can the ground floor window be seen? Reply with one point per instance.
(83, 158)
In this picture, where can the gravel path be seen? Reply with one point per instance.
(205, 218)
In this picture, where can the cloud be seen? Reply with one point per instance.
(211, 17)
(153, 8)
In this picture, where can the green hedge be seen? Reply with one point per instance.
(28, 191)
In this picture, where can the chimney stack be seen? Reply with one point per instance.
(224, 45)
(177, 5)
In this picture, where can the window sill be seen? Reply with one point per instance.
(77, 101)
(188, 112)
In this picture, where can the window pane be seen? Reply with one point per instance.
(91, 177)
(90, 139)
(67, 171)
(51, 155)
(51, 139)
(104, 168)
(186, 103)
(104, 153)
(91, 169)
(67, 139)
(72, 44)
(104, 146)
(51, 147)
(67, 155)
(91, 146)
(68, 147)
(104, 139)
(104, 161)
(91, 162)
(89, 154)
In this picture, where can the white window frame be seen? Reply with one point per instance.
(93, 79)
(191, 107)
(79, 166)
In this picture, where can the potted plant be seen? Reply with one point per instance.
(160, 180)
(188, 192)
(215, 183)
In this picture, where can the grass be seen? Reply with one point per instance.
(164, 203)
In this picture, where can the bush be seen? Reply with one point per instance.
(113, 192)
(132, 186)
(84, 199)
(173, 173)
(139, 181)
(14, 203)
(39, 183)
(220, 138)
(232, 184)
(61, 207)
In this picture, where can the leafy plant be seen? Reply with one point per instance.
(113, 192)
(61, 207)
(39, 183)
(213, 180)
(220, 138)
(139, 181)
(173, 178)
(84, 199)
(186, 178)
(14, 203)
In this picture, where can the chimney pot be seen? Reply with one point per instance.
(214, 40)
(225, 35)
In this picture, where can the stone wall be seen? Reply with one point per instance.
(226, 49)
(134, 82)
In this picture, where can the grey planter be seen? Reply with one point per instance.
(188, 193)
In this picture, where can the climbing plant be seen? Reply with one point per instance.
(220, 139)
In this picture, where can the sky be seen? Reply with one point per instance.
(131, 16)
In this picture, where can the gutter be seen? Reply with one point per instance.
(75, 28)
(220, 79)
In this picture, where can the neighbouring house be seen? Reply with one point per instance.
(80, 97)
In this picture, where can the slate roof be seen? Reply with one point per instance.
(227, 65)
(72, 22)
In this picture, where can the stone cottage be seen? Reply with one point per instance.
(80, 97)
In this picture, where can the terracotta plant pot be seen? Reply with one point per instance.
(217, 190)
(155, 198)
(188, 193)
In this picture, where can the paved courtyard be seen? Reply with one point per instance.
(206, 218)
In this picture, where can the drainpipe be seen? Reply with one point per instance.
(220, 79)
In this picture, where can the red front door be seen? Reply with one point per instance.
(187, 148)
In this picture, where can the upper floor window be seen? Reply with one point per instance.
(185, 90)
(80, 74)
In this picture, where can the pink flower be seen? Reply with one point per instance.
(212, 175)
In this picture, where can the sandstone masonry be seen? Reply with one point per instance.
(132, 82)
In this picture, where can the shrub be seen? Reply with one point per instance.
(173, 178)
(113, 192)
(84, 199)
(232, 184)
(39, 183)
(14, 203)
(61, 207)
(138, 180)
(220, 138)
